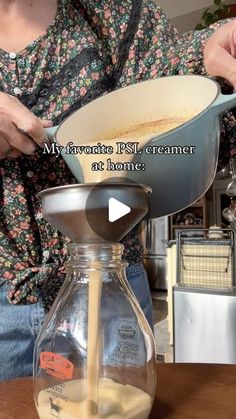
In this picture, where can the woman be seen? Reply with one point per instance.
(54, 58)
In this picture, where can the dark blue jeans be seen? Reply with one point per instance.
(137, 278)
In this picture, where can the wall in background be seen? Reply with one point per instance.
(175, 8)
(185, 14)
(188, 21)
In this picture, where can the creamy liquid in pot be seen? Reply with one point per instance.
(141, 133)
(116, 401)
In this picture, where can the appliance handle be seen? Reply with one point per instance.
(149, 235)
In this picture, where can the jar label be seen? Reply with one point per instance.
(123, 342)
(56, 365)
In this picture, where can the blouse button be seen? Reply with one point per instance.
(17, 91)
(39, 216)
(12, 55)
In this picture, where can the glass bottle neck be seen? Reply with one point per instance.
(96, 256)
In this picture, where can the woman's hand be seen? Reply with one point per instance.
(220, 53)
(20, 130)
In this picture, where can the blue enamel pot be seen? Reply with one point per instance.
(180, 164)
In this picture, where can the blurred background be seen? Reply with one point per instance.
(186, 14)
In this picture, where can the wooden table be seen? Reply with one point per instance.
(184, 391)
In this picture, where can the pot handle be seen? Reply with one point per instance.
(223, 103)
(50, 132)
(71, 161)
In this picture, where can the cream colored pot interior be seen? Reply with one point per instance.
(148, 101)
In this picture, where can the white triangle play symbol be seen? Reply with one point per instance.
(116, 210)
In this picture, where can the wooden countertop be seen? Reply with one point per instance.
(184, 391)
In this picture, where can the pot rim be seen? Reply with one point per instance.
(126, 88)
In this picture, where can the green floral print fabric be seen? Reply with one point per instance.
(91, 48)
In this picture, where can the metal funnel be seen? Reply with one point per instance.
(80, 212)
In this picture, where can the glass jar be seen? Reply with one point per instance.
(95, 355)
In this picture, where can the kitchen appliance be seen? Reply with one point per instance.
(95, 354)
(204, 299)
(154, 240)
(179, 178)
(215, 232)
(231, 188)
(204, 326)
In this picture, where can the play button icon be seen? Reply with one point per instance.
(116, 210)
(113, 207)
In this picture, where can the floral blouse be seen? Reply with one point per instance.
(91, 48)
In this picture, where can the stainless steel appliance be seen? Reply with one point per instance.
(155, 238)
(204, 326)
(204, 300)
